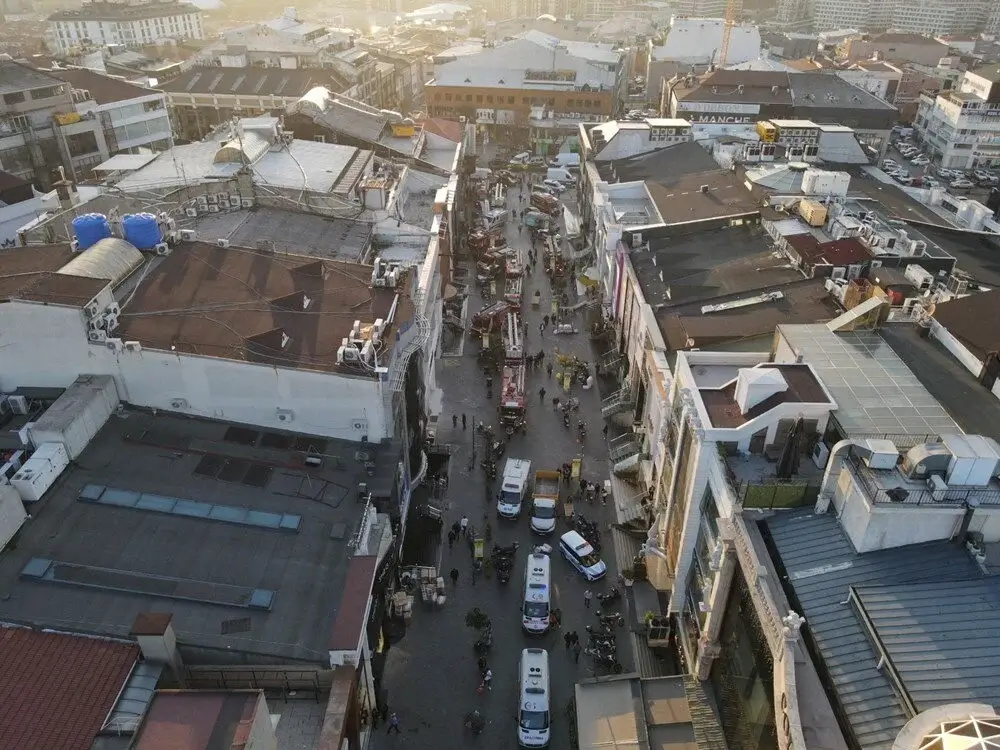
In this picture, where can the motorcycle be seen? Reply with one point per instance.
(581, 427)
(612, 619)
(566, 420)
(498, 447)
(612, 595)
(604, 660)
(475, 723)
(504, 569)
(490, 467)
(506, 551)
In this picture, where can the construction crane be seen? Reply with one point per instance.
(732, 9)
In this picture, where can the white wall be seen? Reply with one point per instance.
(957, 349)
(46, 345)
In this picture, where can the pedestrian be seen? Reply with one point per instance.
(454, 576)
(541, 394)
(548, 370)
(452, 536)
(454, 421)
(545, 319)
(456, 528)
(489, 382)
(587, 596)
(576, 652)
(541, 329)
(605, 432)
(464, 524)
(575, 636)
(488, 679)
(393, 723)
(568, 640)
(463, 421)
(583, 486)
(555, 403)
(475, 571)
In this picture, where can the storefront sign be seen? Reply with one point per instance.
(720, 119)
(719, 108)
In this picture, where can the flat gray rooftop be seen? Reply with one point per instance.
(208, 462)
(289, 231)
(876, 392)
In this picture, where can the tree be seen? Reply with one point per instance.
(476, 619)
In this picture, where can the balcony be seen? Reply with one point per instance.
(618, 403)
(755, 483)
(891, 487)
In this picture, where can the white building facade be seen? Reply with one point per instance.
(104, 23)
(962, 127)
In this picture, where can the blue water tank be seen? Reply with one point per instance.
(142, 230)
(91, 229)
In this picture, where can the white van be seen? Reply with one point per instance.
(533, 698)
(565, 159)
(516, 480)
(561, 175)
(537, 594)
(582, 556)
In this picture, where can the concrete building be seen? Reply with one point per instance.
(534, 83)
(894, 47)
(101, 23)
(694, 44)
(917, 17)
(202, 717)
(962, 127)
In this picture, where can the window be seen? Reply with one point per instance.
(510, 99)
(468, 97)
(319, 138)
(15, 97)
(570, 102)
(447, 97)
(46, 93)
(479, 98)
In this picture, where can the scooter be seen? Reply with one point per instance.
(498, 447)
(612, 619)
(611, 662)
(581, 427)
(612, 595)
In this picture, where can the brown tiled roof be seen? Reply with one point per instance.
(972, 320)
(450, 129)
(803, 388)
(236, 303)
(197, 720)
(835, 253)
(56, 690)
(29, 273)
(103, 89)
(351, 615)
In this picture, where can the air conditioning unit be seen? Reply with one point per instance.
(97, 324)
(284, 415)
(74, 246)
(192, 212)
(113, 309)
(115, 345)
(359, 424)
(223, 197)
(111, 322)
(213, 209)
(97, 337)
(133, 346)
(234, 202)
(202, 202)
(179, 403)
(246, 202)
(222, 242)
(210, 198)
(161, 248)
(636, 239)
(173, 238)
(92, 310)
(188, 235)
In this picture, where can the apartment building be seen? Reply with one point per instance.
(534, 82)
(101, 23)
(961, 126)
(931, 17)
(893, 47)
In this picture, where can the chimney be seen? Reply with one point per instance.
(158, 642)
(65, 190)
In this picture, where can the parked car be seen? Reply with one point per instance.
(902, 178)
(929, 182)
(984, 178)
(554, 185)
(949, 174)
(961, 184)
(920, 160)
(888, 165)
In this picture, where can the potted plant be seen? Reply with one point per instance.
(649, 617)
(639, 569)
(628, 576)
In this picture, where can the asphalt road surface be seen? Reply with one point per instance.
(431, 674)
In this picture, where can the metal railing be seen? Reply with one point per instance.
(954, 496)
(776, 493)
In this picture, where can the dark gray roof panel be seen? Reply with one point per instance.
(822, 567)
(942, 642)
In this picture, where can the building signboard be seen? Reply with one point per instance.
(718, 108)
(698, 117)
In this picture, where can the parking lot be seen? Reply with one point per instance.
(932, 170)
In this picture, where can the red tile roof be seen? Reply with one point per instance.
(449, 129)
(56, 690)
(350, 622)
(198, 720)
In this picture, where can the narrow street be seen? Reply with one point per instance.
(431, 674)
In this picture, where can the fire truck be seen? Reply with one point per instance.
(513, 397)
(513, 286)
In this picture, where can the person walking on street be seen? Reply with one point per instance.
(541, 328)
(568, 640)
(605, 432)
(488, 680)
(454, 576)
(456, 528)
(464, 524)
(475, 571)
(576, 652)
(545, 319)
(576, 637)
(393, 724)
(451, 538)
(541, 394)
(548, 370)
(454, 421)
(587, 596)
(463, 421)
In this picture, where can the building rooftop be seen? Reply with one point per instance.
(990, 72)
(836, 253)
(876, 393)
(686, 198)
(701, 267)
(197, 720)
(802, 388)
(111, 11)
(255, 306)
(287, 232)
(15, 76)
(686, 326)
(661, 165)
(942, 654)
(976, 252)
(103, 89)
(342, 114)
(273, 82)
(105, 552)
(33, 274)
(971, 405)
(56, 690)
(825, 90)
(971, 320)
(722, 86)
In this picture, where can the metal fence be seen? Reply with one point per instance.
(775, 494)
(954, 496)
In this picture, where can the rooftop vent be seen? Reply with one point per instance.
(703, 189)
(754, 385)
